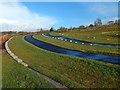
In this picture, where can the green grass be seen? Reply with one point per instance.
(70, 71)
(15, 75)
(108, 32)
(84, 48)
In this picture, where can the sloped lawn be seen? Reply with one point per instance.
(71, 71)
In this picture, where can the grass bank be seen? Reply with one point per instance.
(71, 71)
(15, 75)
(100, 34)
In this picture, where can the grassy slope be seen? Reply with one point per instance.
(17, 76)
(84, 48)
(70, 71)
(108, 32)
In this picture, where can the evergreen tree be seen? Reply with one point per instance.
(51, 29)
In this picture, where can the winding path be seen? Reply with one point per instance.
(94, 56)
(81, 41)
(20, 61)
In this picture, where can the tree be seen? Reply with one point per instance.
(91, 25)
(82, 26)
(62, 28)
(51, 29)
(98, 22)
(110, 22)
(117, 21)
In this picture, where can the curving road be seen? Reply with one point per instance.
(81, 41)
(94, 56)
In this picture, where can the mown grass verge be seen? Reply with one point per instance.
(74, 72)
(15, 75)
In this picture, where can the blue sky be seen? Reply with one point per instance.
(29, 16)
(75, 13)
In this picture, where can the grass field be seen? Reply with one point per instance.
(101, 34)
(15, 75)
(104, 34)
(68, 70)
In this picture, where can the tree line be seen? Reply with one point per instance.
(97, 22)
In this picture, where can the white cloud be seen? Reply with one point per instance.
(9, 0)
(16, 16)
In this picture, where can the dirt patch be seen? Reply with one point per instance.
(3, 39)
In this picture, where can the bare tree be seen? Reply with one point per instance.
(110, 22)
(98, 22)
(117, 21)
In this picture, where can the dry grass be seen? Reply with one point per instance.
(3, 38)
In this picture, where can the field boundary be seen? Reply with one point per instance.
(0, 69)
(20, 61)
